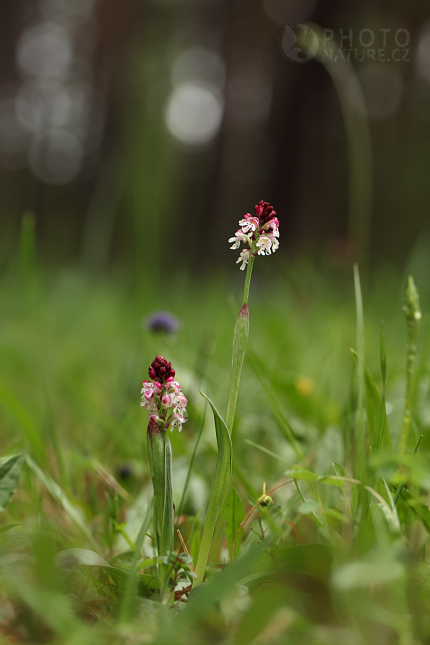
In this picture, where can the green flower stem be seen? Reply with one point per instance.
(411, 308)
(248, 276)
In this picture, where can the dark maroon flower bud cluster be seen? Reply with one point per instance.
(160, 370)
(264, 211)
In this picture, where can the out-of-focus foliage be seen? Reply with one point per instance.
(138, 131)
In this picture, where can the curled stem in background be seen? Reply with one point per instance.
(411, 308)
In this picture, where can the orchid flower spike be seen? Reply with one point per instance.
(260, 232)
(162, 395)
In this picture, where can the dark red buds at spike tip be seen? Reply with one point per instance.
(264, 211)
(160, 370)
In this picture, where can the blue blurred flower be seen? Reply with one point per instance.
(162, 321)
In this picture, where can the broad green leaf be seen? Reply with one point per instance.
(240, 341)
(220, 488)
(9, 477)
(260, 613)
(146, 584)
(313, 560)
(81, 556)
(7, 527)
(297, 472)
(233, 515)
(366, 574)
(308, 507)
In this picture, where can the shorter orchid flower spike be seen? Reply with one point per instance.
(162, 395)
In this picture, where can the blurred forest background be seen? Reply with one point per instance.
(139, 132)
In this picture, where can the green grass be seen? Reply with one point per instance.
(73, 353)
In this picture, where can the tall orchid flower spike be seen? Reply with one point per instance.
(259, 233)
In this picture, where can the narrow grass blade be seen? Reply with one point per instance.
(220, 488)
(54, 609)
(10, 470)
(401, 486)
(60, 496)
(233, 515)
(190, 467)
(19, 413)
(203, 598)
(360, 433)
(284, 426)
(127, 599)
(375, 411)
(265, 450)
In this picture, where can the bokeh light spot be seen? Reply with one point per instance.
(193, 114)
(44, 50)
(57, 157)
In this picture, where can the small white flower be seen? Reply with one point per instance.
(237, 239)
(180, 403)
(275, 243)
(168, 400)
(176, 421)
(249, 223)
(172, 385)
(149, 404)
(243, 257)
(265, 245)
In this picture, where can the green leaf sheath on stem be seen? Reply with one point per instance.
(156, 456)
(220, 489)
(240, 341)
(411, 308)
(167, 535)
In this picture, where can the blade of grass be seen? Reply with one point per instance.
(284, 426)
(127, 599)
(60, 496)
(13, 406)
(360, 431)
(190, 467)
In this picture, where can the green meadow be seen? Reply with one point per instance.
(324, 534)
